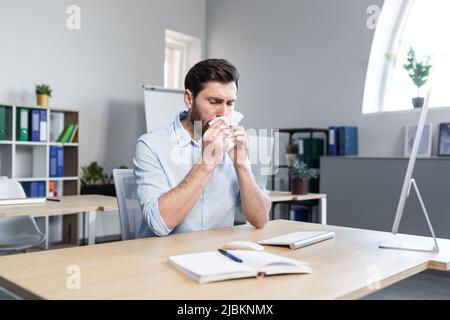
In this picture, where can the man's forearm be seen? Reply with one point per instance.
(255, 203)
(176, 204)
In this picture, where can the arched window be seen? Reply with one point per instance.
(423, 25)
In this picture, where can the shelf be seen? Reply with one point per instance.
(30, 143)
(30, 179)
(63, 110)
(6, 160)
(50, 178)
(62, 178)
(31, 107)
(29, 161)
(303, 130)
(73, 144)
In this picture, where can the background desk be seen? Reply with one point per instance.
(90, 204)
(281, 196)
(343, 267)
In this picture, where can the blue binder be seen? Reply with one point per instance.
(53, 161)
(41, 188)
(34, 125)
(34, 189)
(60, 161)
(333, 141)
(43, 125)
(27, 188)
(348, 141)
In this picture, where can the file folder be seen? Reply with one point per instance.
(5, 123)
(43, 125)
(26, 187)
(34, 125)
(53, 162)
(22, 124)
(60, 161)
(34, 189)
(41, 188)
(333, 143)
(348, 141)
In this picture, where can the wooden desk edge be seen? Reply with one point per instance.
(386, 282)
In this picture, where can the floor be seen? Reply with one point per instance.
(428, 285)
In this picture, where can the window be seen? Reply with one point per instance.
(423, 25)
(181, 52)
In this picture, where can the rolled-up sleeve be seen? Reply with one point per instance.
(151, 184)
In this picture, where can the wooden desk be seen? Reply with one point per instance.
(344, 267)
(281, 196)
(90, 204)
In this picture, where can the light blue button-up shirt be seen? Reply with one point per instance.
(163, 158)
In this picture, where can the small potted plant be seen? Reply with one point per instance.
(95, 181)
(300, 175)
(418, 71)
(291, 152)
(43, 93)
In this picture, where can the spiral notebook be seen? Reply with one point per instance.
(212, 266)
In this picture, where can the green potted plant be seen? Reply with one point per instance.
(300, 175)
(43, 93)
(291, 152)
(418, 71)
(95, 181)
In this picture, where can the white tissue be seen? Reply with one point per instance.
(234, 120)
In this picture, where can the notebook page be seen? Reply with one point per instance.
(206, 264)
(260, 260)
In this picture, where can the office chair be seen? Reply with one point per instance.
(130, 213)
(17, 233)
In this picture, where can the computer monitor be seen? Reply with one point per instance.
(408, 183)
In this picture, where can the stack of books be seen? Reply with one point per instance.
(68, 134)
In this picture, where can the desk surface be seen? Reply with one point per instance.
(67, 205)
(281, 196)
(137, 269)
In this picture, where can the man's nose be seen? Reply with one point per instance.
(223, 110)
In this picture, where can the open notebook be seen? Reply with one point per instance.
(299, 239)
(212, 266)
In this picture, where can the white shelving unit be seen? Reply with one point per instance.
(28, 161)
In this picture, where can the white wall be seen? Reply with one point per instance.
(99, 69)
(303, 63)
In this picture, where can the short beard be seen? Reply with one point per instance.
(195, 117)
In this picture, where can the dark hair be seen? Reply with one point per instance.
(219, 70)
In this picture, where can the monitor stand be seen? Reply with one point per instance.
(401, 242)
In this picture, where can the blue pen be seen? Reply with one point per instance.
(229, 255)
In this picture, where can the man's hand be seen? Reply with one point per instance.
(214, 145)
(238, 139)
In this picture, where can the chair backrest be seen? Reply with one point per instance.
(11, 189)
(261, 158)
(11, 227)
(130, 212)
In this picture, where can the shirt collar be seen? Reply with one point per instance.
(183, 138)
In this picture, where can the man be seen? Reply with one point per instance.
(188, 179)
